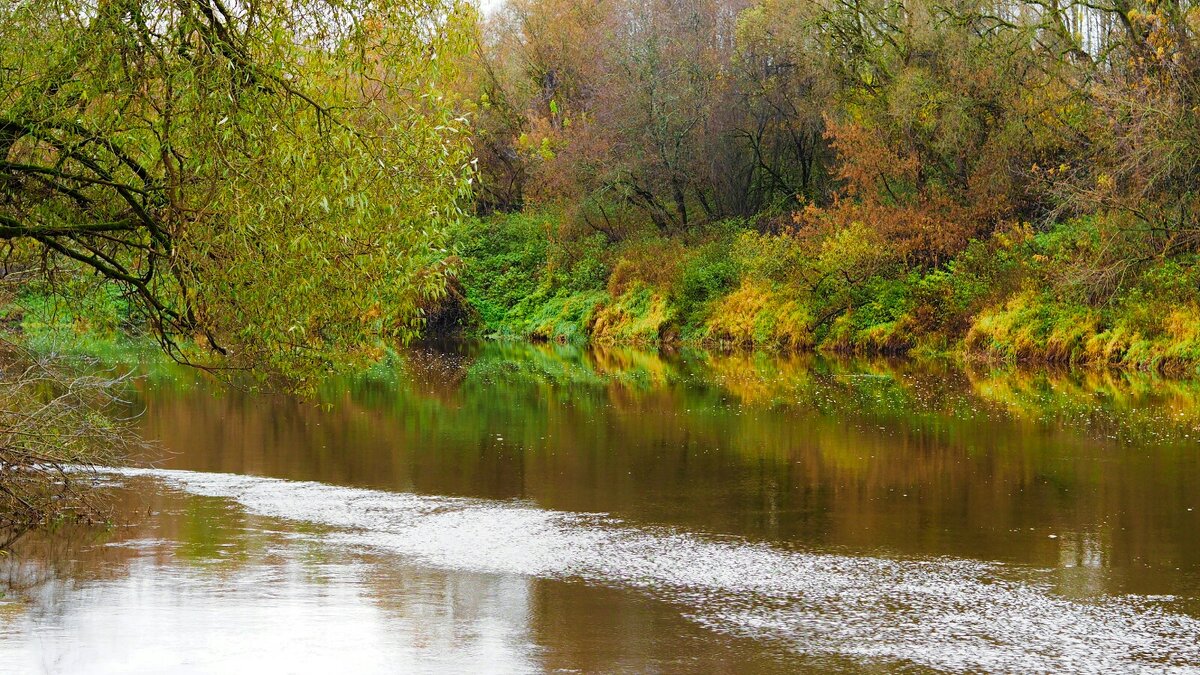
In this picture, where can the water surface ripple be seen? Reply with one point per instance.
(950, 614)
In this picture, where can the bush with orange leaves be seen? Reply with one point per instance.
(920, 221)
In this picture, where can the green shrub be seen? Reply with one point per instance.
(708, 273)
(78, 304)
(504, 262)
(581, 263)
(563, 317)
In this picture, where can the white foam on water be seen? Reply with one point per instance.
(950, 614)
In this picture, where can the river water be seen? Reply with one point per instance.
(514, 508)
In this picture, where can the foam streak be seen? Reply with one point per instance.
(958, 615)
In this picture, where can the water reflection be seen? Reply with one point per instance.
(1093, 476)
(198, 585)
(874, 458)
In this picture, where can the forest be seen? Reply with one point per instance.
(1011, 181)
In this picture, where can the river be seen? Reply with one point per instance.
(518, 508)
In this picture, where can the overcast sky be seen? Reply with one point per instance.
(488, 6)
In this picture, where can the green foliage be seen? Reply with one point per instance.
(732, 287)
(708, 273)
(504, 260)
(562, 317)
(77, 305)
(581, 263)
(770, 258)
(274, 178)
(524, 281)
(1174, 281)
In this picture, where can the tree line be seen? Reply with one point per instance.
(932, 122)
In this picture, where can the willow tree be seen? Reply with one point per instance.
(271, 177)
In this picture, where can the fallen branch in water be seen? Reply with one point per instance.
(55, 417)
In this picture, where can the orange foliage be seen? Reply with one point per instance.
(884, 188)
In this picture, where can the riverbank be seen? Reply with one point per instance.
(1019, 296)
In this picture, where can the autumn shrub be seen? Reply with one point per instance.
(1142, 161)
(1151, 321)
(944, 300)
(1034, 327)
(776, 258)
(757, 315)
(708, 273)
(654, 262)
(640, 315)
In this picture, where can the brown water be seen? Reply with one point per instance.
(510, 508)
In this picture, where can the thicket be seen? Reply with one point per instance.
(1013, 180)
(729, 286)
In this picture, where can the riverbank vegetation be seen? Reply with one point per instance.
(285, 187)
(260, 187)
(1012, 182)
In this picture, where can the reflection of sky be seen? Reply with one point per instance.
(292, 612)
(313, 603)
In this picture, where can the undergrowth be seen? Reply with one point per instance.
(1016, 296)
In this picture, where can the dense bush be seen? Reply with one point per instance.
(1010, 296)
(504, 262)
(708, 273)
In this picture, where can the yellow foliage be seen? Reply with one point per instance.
(756, 315)
(1028, 328)
(638, 316)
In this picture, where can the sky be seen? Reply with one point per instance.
(488, 6)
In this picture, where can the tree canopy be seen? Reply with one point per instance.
(932, 123)
(273, 178)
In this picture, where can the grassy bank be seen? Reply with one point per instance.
(1017, 296)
